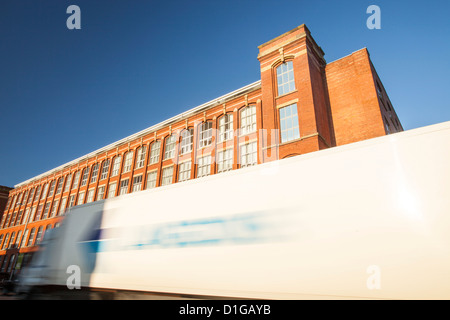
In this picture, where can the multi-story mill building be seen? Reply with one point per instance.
(301, 104)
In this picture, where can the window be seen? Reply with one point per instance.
(52, 188)
(226, 127)
(100, 193)
(46, 210)
(112, 190)
(71, 201)
(24, 237)
(39, 235)
(167, 174)
(5, 244)
(33, 213)
(38, 192)
(204, 166)
(140, 159)
(80, 198)
(76, 180)
(169, 150)
(63, 205)
(54, 208)
(128, 161)
(105, 169)
(30, 198)
(184, 171)
(60, 185)
(225, 160)
(289, 123)
(94, 173)
(31, 238)
(38, 213)
(154, 152)
(123, 187)
(186, 141)
(285, 78)
(137, 183)
(85, 176)
(205, 135)
(248, 154)
(151, 179)
(90, 196)
(248, 120)
(44, 192)
(68, 181)
(116, 166)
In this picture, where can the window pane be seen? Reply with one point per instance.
(289, 123)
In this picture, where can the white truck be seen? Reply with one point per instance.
(367, 220)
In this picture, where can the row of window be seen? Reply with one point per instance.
(289, 129)
(224, 162)
(30, 238)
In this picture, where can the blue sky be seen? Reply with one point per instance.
(134, 63)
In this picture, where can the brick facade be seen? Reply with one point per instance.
(326, 105)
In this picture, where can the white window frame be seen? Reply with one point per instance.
(248, 120)
(155, 150)
(152, 179)
(289, 127)
(285, 78)
(249, 154)
(205, 134)
(140, 158)
(187, 141)
(225, 159)
(184, 171)
(124, 186)
(112, 190)
(90, 195)
(169, 149)
(100, 193)
(128, 162)
(105, 169)
(204, 166)
(94, 172)
(85, 177)
(137, 183)
(226, 127)
(80, 198)
(167, 176)
(116, 166)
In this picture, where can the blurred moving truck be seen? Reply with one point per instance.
(366, 220)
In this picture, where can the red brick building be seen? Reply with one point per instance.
(300, 105)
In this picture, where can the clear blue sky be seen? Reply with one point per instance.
(65, 93)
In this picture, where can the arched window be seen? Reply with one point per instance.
(39, 235)
(5, 244)
(154, 152)
(186, 141)
(105, 169)
(226, 127)
(116, 166)
(60, 185)
(285, 78)
(169, 150)
(140, 157)
(205, 134)
(248, 119)
(94, 172)
(31, 238)
(128, 161)
(85, 176)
